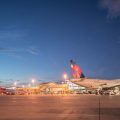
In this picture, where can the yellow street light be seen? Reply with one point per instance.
(65, 76)
(33, 81)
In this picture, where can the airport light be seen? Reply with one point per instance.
(15, 83)
(33, 81)
(62, 82)
(65, 76)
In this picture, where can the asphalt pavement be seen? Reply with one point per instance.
(81, 107)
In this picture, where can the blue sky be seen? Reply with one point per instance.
(39, 37)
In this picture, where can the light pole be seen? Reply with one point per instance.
(33, 81)
(65, 76)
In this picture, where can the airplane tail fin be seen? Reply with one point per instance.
(76, 70)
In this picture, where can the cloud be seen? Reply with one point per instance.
(33, 50)
(10, 52)
(12, 33)
(16, 52)
(112, 6)
(6, 50)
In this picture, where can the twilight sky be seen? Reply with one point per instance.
(39, 37)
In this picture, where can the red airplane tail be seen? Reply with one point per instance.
(76, 70)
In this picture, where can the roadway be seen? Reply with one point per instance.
(82, 107)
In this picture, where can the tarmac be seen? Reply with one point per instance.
(80, 107)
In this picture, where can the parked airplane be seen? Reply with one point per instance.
(80, 79)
